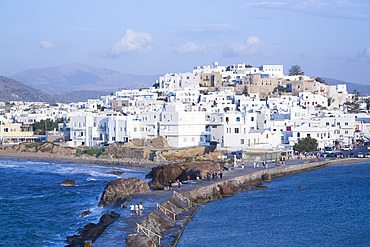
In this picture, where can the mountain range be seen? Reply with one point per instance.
(77, 77)
(78, 82)
(351, 87)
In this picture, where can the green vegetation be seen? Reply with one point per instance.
(40, 128)
(92, 151)
(281, 89)
(189, 159)
(307, 144)
(320, 80)
(32, 145)
(295, 70)
(245, 91)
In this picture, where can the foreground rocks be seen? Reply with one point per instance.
(117, 191)
(68, 182)
(92, 231)
(162, 175)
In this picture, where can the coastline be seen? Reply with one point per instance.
(203, 191)
(200, 192)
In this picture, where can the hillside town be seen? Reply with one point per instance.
(236, 108)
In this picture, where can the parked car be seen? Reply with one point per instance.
(360, 155)
(329, 149)
(346, 148)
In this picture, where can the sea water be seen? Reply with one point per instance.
(35, 210)
(333, 211)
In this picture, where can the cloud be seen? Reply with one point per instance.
(322, 8)
(132, 42)
(364, 56)
(192, 48)
(252, 45)
(48, 45)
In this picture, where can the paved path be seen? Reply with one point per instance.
(116, 233)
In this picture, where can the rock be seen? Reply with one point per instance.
(136, 240)
(92, 231)
(228, 189)
(302, 187)
(266, 177)
(85, 213)
(68, 182)
(162, 175)
(118, 190)
(116, 172)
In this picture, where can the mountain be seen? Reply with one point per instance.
(78, 96)
(76, 77)
(12, 90)
(363, 89)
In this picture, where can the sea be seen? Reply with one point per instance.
(35, 210)
(333, 210)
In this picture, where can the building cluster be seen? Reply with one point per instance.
(236, 107)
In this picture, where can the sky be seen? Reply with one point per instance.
(327, 38)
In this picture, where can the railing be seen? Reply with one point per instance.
(148, 232)
(183, 198)
(166, 211)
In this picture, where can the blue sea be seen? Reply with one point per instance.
(36, 211)
(333, 211)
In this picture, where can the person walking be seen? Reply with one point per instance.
(220, 174)
(179, 184)
(132, 208)
(170, 185)
(137, 209)
(254, 164)
(141, 208)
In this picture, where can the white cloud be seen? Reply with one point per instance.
(364, 56)
(251, 46)
(133, 42)
(48, 45)
(367, 52)
(189, 48)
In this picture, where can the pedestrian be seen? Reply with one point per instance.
(243, 166)
(141, 208)
(197, 176)
(132, 208)
(179, 184)
(264, 164)
(137, 209)
(254, 164)
(213, 175)
(170, 185)
(220, 174)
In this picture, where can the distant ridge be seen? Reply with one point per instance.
(77, 77)
(80, 96)
(12, 90)
(363, 89)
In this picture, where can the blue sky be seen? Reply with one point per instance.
(327, 38)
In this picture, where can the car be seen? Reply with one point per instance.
(360, 155)
(329, 149)
(367, 155)
(58, 140)
(346, 148)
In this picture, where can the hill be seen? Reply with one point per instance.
(12, 90)
(76, 77)
(363, 89)
(78, 96)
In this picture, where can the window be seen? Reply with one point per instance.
(236, 130)
(238, 119)
(241, 141)
(252, 119)
(346, 123)
(298, 134)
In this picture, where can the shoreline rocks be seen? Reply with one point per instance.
(91, 231)
(68, 182)
(117, 191)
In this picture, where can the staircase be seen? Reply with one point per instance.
(165, 217)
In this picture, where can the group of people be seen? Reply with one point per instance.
(136, 209)
(256, 164)
(214, 175)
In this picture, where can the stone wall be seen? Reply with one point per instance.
(127, 152)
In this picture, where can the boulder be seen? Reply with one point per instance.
(302, 187)
(162, 175)
(118, 190)
(92, 231)
(266, 177)
(228, 189)
(68, 182)
(116, 172)
(85, 213)
(137, 240)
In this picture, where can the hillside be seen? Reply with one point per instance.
(77, 77)
(78, 96)
(363, 89)
(12, 90)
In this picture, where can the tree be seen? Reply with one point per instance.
(245, 91)
(248, 66)
(295, 70)
(320, 80)
(156, 85)
(307, 144)
(281, 88)
(41, 127)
